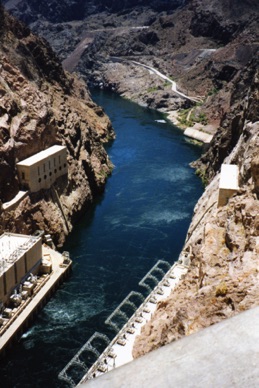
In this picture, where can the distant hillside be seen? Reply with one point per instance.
(57, 11)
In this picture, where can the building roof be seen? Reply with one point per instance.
(12, 247)
(229, 177)
(41, 155)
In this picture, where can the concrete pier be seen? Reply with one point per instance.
(23, 315)
(198, 134)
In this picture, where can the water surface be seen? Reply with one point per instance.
(142, 217)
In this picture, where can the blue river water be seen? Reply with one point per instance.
(142, 216)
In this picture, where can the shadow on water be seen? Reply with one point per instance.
(142, 216)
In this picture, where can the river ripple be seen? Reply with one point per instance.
(142, 216)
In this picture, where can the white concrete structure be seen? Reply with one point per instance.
(20, 255)
(228, 183)
(119, 351)
(41, 170)
(198, 135)
(223, 355)
(15, 201)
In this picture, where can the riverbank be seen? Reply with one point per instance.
(199, 132)
(223, 246)
(143, 215)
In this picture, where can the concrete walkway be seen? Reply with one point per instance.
(223, 355)
(15, 201)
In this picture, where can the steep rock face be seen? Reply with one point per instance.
(222, 242)
(210, 49)
(41, 106)
(203, 46)
(68, 10)
(244, 107)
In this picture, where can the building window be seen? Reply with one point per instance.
(39, 180)
(23, 175)
(55, 171)
(45, 176)
(50, 173)
(44, 167)
(65, 165)
(38, 170)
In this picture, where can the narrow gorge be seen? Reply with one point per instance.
(208, 52)
(42, 106)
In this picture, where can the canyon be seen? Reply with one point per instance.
(210, 49)
(41, 106)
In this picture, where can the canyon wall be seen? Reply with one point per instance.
(202, 45)
(222, 244)
(210, 49)
(69, 10)
(41, 105)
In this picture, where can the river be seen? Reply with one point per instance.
(143, 216)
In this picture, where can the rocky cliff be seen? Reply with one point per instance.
(41, 105)
(222, 243)
(70, 10)
(202, 45)
(209, 48)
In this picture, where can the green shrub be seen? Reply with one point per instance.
(221, 289)
(152, 89)
(213, 91)
(202, 118)
(202, 175)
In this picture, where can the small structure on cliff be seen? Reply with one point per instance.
(41, 170)
(228, 184)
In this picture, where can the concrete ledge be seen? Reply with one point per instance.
(198, 135)
(15, 201)
(223, 355)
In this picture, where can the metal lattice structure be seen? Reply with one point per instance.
(77, 361)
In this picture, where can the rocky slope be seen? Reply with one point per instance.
(41, 106)
(202, 45)
(69, 10)
(222, 243)
(210, 49)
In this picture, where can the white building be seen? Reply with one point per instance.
(41, 170)
(228, 183)
(20, 255)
